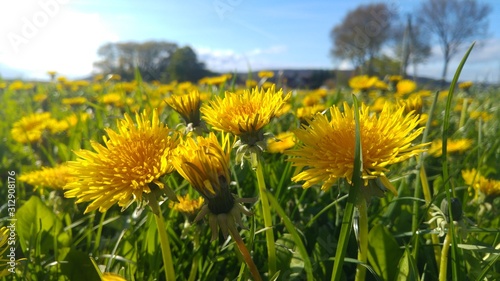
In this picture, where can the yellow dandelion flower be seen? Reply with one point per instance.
(485, 116)
(251, 83)
(81, 83)
(98, 77)
(115, 99)
(465, 85)
(380, 103)
(204, 80)
(243, 114)
(53, 177)
(114, 77)
(412, 103)
(311, 99)
(74, 101)
(73, 119)
(126, 86)
(395, 78)
(125, 169)
(108, 276)
(185, 86)
(458, 107)
(281, 142)
(443, 95)
(362, 82)
(28, 86)
(308, 111)
(165, 89)
(405, 87)
(265, 74)
(423, 93)
(327, 148)
(40, 97)
(30, 128)
(186, 205)
(267, 85)
(480, 183)
(423, 118)
(56, 126)
(459, 145)
(216, 81)
(3, 85)
(204, 163)
(381, 85)
(188, 106)
(16, 86)
(97, 88)
(5, 264)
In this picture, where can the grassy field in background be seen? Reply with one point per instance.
(42, 124)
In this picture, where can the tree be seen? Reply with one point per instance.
(454, 22)
(412, 46)
(184, 66)
(362, 34)
(151, 58)
(383, 65)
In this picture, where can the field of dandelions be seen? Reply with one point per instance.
(252, 180)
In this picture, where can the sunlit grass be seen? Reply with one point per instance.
(55, 238)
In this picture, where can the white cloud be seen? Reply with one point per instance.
(47, 35)
(345, 65)
(271, 50)
(224, 60)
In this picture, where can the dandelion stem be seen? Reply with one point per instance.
(268, 223)
(422, 186)
(196, 246)
(363, 240)
(443, 267)
(244, 252)
(165, 246)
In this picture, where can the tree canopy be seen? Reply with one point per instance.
(151, 58)
(184, 66)
(362, 33)
(155, 60)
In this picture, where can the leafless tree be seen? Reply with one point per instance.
(412, 45)
(454, 22)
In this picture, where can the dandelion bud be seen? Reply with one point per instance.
(456, 209)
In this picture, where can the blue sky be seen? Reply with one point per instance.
(228, 35)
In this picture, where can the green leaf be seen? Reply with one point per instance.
(284, 251)
(152, 243)
(407, 268)
(383, 252)
(77, 266)
(478, 248)
(35, 221)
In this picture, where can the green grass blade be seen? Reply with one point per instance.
(487, 268)
(345, 231)
(295, 235)
(448, 187)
